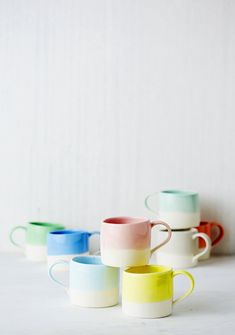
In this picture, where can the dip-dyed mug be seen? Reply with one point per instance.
(180, 209)
(91, 283)
(35, 246)
(66, 244)
(147, 291)
(125, 241)
(210, 228)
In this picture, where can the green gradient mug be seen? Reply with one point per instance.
(36, 239)
(180, 209)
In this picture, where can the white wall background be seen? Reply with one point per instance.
(103, 102)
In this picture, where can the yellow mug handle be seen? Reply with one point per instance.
(191, 279)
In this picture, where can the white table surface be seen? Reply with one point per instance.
(31, 304)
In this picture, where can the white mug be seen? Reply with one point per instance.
(182, 249)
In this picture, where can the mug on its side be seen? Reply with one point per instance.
(91, 283)
(182, 250)
(125, 241)
(66, 244)
(209, 228)
(36, 238)
(180, 209)
(147, 291)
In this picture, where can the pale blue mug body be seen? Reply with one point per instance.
(91, 283)
(180, 209)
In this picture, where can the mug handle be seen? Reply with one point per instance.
(207, 240)
(50, 272)
(191, 279)
(155, 223)
(146, 202)
(220, 229)
(95, 232)
(12, 233)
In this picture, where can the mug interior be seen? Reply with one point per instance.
(46, 224)
(148, 269)
(178, 192)
(124, 220)
(203, 223)
(66, 232)
(88, 260)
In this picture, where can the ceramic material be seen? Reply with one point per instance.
(182, 250)
(91, 283)
(147, 291)
(66, 244)
(125, 241)
(209, 228)
(180, 209)
(36, 239)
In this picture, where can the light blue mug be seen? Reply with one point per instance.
(91, 283)
(180, 209)
(66, 244)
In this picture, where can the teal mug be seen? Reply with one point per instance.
(180, 209)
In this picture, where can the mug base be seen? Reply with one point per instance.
(180, 220)
(36, 253)
(95, 299)
(176, 261)
(125, 258)
(147, 310)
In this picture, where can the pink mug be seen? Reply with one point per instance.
(125, 241)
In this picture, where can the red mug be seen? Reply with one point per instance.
(208, 227)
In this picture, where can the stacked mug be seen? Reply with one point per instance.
(190, 239)
(147, 290)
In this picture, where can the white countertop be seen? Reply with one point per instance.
(31, 304)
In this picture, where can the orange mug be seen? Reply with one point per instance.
(208, 228)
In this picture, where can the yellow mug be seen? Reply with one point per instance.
(147, 291)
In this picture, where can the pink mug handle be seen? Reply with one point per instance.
(159, 222)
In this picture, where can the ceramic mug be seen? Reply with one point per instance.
(36, 239)
(180, 209)
(147, 291)
(125, 241)
(91, 283)
(182, 250)
(208, 228)
(66, 244)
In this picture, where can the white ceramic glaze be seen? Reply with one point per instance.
(148, 309)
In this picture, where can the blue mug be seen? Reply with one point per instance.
(66, 244)
(91, 283)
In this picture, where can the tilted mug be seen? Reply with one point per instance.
(125, 241)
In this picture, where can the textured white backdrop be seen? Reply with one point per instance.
(103, 102)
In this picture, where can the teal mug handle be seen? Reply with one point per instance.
(50, 272)
(95, 232)
(12, 233)
(146, 202)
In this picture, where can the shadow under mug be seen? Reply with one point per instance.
(180, 209)
(147, 291)
(36, 239)
(66, 244)
(209, 228)
(125, 241)
(91, 283)
(182, 250)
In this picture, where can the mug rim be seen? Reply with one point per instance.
(181, 193)
(136, 220)
(66, 232)
(131, 270)
(100, 264)
(182, 231)
(45, 224)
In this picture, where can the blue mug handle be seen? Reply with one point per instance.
(51, 276)
(95, 232)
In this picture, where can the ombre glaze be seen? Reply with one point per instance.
(180, 209)
(147, 291)
(209, 228)
(66, 244)
(125, 241)
(91, 283)
(35, 247)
